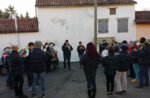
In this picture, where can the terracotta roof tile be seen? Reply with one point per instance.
(142, 17)
(24, 25)
(81, 2)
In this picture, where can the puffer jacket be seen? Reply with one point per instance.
(110, 64)
(37, 60)
(144, 56)
(124, 60)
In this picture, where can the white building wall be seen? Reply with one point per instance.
(127, 11)
(12, 39)
(59, 24)
(77, 24)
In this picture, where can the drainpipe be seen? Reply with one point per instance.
(95, 23)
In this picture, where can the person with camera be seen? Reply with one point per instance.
(67, 48)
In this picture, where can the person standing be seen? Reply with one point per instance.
(15, 63)
(80, 50)
(37, 60)
(144, 56)
(110, 64)
(135, 65)
(102, 46)
(125, 60)
(90, 61)
(28, 66)
(9, 81)
(67, 48)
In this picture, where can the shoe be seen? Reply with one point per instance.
(34, 96)
(119, 93)
(108, 93)
(23, 96)
(133, 80)
(146, 85)
(43, 95)
(124, 91)
(111, 93)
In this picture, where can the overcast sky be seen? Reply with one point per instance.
(29, 5)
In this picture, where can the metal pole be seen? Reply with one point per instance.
(95, 23)
(16, 28)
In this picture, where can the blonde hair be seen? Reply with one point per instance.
(14, 48)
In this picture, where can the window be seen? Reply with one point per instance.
(112, 11)
(123, 25)
(103, 26)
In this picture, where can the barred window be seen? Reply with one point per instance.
(122, 25)
(103, 26)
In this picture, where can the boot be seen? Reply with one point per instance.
(89, 93)
(93, 93)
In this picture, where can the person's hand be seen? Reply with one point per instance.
(134, 49)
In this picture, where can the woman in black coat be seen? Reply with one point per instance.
(110, 64)
(90, 61)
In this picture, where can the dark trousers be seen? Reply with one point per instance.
(143, 76)
(110, 83)
(132, 73)
(18, 82)
(67, 58)
(80, 55)
(30, 78)
(10, 80)
(91, 82)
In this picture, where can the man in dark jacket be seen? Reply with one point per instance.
(67, 48)
(125, 60)
(37, 60)
(28, 66)
(103, 46)
(16, 67)
(80, 50)
(144, 56)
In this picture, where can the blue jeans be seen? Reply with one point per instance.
(67, 58)
(136, 70)
(10, 80)
(41, 77)
(80, 56)
(143, 76)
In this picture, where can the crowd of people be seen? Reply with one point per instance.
(116, 59)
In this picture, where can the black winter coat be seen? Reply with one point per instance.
(144, 56)
(67, 50)
(80, 49)
(37, 60)
(89, 64)
(125, 60)
(110, 64)
(15, 63)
